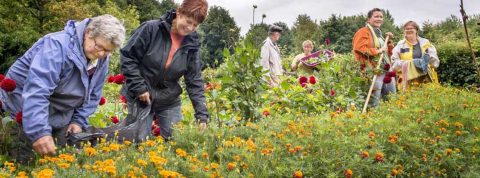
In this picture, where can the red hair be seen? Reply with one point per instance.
(197, 9)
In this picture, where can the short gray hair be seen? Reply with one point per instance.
(108, 27)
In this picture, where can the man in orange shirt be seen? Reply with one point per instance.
(368, 45)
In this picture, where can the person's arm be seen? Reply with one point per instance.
(432, 51)
(42, 79)
(195, 88)
(131, 56)
(82, 113)
(360, 44)
(397, 63)
(295, 62)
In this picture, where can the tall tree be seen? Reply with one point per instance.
(219, 31)
(257, 34)
(303, 29)
(148, 9)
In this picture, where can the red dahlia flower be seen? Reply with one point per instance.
(302, 79)
(102, 101)
(8, 84)
(312, 80)
(114, 119)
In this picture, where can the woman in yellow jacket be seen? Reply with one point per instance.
(414, 58)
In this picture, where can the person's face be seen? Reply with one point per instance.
(185, 25)
(275, 36)
(410, 31)
(307, 49)
(376, 20)
(97, 48)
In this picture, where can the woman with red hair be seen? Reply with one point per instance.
(157, 55)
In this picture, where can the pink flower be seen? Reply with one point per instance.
(19, 117)
(387, 79)
(8, 84)
(111, 79)
(386, 67)
(123, 99)
(312, 80)
(114, 119)
(102, 101)
(302, 79)
(332, 92)
(119, 79)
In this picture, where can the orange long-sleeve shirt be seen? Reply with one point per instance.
(364, 47)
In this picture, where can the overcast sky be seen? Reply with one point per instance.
(288, 10)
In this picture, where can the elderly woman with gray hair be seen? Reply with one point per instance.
(59, 83)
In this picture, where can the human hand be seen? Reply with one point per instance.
(389, 34)
(145, 97)
(45, 145)
(73, 128)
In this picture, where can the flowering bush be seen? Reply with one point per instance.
(430, 131)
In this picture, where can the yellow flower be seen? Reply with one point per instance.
(142, 162)
(22, 174)
(89, 151)
(180, 152)
(214, 165)
(169, 174)
(46, 173)
(114, 147)
(67, 157)
(150, 143)
(126, 142)
(236, 158)
(231, 166)
(157, 160)
(205, 155)
(228, 144)
(106, 149)
(63, 165)
(112, 170)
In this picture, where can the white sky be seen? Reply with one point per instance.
(288, 10)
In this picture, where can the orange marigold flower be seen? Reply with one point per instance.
(379, 157)
(348, 173)
(458, 133)
(236, 158)
(231, 166)
(393, 139)
(205, 155)
(394, 172)
(288, 145)
(364, 154)
(297, 148)
(180, 152)
(214, 165)
(291, 150)
(297, 174)
(371, 135)
(449, 151)
(443, 129)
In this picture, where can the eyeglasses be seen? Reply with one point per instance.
(100, 48)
